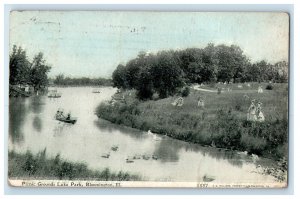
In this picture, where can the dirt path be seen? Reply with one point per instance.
(202, 89)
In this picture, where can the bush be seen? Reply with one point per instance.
(253, 144)
(269, 87)
(186, 91)
(238, 104)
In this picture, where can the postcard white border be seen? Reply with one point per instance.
(294, 108)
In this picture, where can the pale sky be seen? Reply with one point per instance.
(93, 43)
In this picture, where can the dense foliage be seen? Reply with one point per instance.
(166, 72)
(23, 71)
(61, 80)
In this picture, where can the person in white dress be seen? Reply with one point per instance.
(251, 115)
(260, 115)
(200, 102)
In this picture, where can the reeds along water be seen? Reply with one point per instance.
(38, 166)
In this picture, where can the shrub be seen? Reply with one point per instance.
(269, 87)
(186, 91)
(238, 103)
(253, 144)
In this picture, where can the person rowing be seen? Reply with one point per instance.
(68, 116)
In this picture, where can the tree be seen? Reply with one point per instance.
(132, 72)
(119, 77)
(18, 66)
(59, 79)
(166, 74)
(38, 72)
(231, 62)
(145, 87)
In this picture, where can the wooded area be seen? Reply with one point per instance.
(167, 71)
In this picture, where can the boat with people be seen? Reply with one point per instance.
(96, 90)
(54, 94)
(62, 118)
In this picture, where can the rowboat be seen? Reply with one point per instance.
(71, 120)
(96, 91)
(54, 94)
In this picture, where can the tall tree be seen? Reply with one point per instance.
(39, 71)
(119, 77)
(18, 66)
(166, 74)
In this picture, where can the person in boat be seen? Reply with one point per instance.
(59, 114)
(68, 116)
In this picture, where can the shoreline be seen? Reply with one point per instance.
(223, 128)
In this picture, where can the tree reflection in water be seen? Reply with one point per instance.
(17, 116)
(37, 104)
(37, 124)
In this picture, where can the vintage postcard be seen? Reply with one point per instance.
(148, 99)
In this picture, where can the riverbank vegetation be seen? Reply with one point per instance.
(39, 166)
(221, 123)
(151, 83)
(61, 80)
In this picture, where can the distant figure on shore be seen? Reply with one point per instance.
(251, 115)
(260, 115)
(240, 86)
(249, 85)
(200, 102)
(260, 90)
(178, 102)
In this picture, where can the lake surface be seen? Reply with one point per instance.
(32, 127)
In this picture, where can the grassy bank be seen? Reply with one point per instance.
(29, 166)
(221, 123)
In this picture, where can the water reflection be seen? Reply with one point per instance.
(32, 127)
(17, 111)
(37, 123)
(167, 150)
(37, 104)
(104, 125)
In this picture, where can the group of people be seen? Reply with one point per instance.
(178, 102)
(255, 112)
(60, 114)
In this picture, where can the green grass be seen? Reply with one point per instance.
(222, 122)
(39, 166)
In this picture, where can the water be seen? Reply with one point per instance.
(32, 127)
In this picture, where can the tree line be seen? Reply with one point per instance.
(22, 71)
(167, 71)
(61, 80)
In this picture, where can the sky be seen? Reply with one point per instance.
(93, 43)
